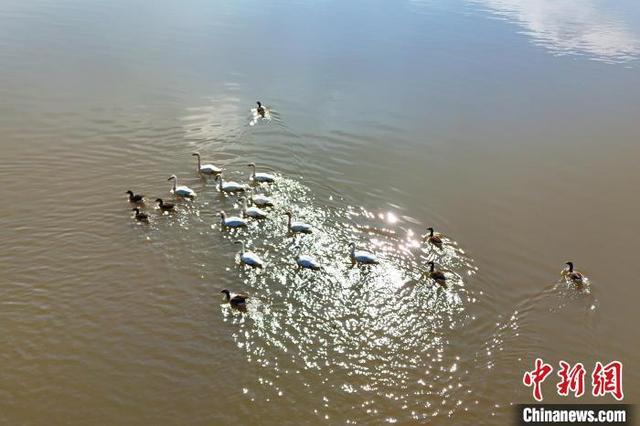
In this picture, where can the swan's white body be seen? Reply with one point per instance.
(207, 169)
(261, 177)
(182, 190)
(362, 257)
(229, 186)
(253, 212)
(307, 262)
(250, 258)
(262, 200)
(264, 177)
(232, 221)
(299, 227)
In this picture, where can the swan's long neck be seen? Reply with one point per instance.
(220, 182)
(289, 221)
(431, 232)
(570, 265)
(222, 218)
(175, 184)
(431, 267)
(242, 245)
(198, 157)
(253, 168)
(244, 205)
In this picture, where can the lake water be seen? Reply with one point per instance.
(510, 126)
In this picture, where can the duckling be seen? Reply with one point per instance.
(236, 300)
(260, 177)
(250, 258)
(260, 110)
(261, 200)
(135, 198)
(206, 169)
(298, 227)
(435, 274)
(360, 257)
(308, 262)
(229, 186)
(140, 216)
(231, 222)
(433, 239)
(571, 274)
(181, 191)
(253, 212)
(165, 207)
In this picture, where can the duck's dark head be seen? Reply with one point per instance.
(569, 265)
(196, 154)
(159, 201)
(430, 229)
(226, 293)
(129, 192)
(137, 210)
(259, 104)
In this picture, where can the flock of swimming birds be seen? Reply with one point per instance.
(259, 211)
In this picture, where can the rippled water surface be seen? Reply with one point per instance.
(509, 126)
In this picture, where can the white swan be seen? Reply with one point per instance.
(307, 262)
(231, 222)
(261, 177)
(361, 257)
(181, 191)
(250, 258)
(229, 186)
(298, 227)
(207, 169)
(261, 200)
(254, 212)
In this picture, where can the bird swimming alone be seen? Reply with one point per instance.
(361, 257)
(250, 258)
(435, 274)
(571, 274)
(231, 222)
(182, 190)
(229, 186)
(135, 198)
(298, 227)
(165, 207)
(253, 212)
(236, 300)
(260, 110)
(140, 216)
(433, 239)
(260, 177)
(207, 169)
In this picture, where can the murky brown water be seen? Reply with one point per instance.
(517, 137)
